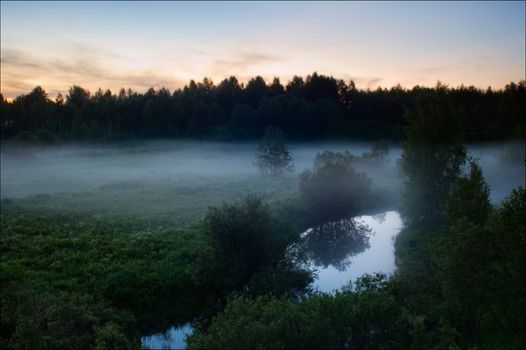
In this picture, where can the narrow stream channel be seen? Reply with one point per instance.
(352, 248)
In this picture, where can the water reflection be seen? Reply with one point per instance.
(173, 338)
(334, 247)
(378, 258)
(380, 218)
(334, 243)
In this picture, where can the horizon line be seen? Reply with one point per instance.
(438, 82)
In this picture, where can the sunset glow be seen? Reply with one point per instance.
(139, 44)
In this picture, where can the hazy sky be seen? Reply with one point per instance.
(143, 44)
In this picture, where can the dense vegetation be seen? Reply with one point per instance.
(433, 154)
(130, 274)
(459, 287)
(334, 189)
(317, 107)
(367, 317)
(74, 279)
(461, 276)
(80, 281)
(253, 250)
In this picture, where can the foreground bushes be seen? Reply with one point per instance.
(461, 286)
(79, 282)
(253, 250)
(365, 317)
(33, 319)
(470, 274)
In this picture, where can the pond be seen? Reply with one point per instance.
(339, 251)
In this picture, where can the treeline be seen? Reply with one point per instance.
(317, 107)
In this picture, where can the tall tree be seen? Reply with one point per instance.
(334, 190)
(249, 250)
(432, 154)
(255, 91)
(78, 97)
(276, 89)
(469, 197)
(273, 155)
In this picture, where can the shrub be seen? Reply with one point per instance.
(334, 190)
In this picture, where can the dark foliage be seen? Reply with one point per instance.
(432, 157)
(367, 317)
(252, 250)
(334, 190)
(77, 282)
(272, 155)
(315, 108)
(334, 242)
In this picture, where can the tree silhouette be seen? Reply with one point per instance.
(333, 243)
(432, 155)
(334, 190)
(272, 155)
(317, 107)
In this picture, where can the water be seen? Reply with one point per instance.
(379, 257)
(181, 178)
(173, 338)
(338, 256)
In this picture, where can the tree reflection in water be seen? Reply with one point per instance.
(335, 242)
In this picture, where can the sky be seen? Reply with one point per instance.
(140, 45)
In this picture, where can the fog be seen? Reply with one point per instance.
(503, 166)
(166, 176)
(153, 177)
(181, 178)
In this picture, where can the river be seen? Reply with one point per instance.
(364, 244)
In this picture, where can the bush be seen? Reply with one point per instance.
(366, 318)
(334, 190)
(378, 154)
(41, 320)
(272, 155)
(248, 245)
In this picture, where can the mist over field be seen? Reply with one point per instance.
(153, 176)
(164, 176)
(262, 175)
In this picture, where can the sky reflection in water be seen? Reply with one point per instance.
(378, 258)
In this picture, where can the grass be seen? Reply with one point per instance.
(183, 200)
(132, 241)
(143, 265)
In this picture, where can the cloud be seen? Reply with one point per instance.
(239, 61)
(15, 57)
(87, 66)
(462, 65)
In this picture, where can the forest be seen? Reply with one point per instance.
(317, 107)
(93, 257)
